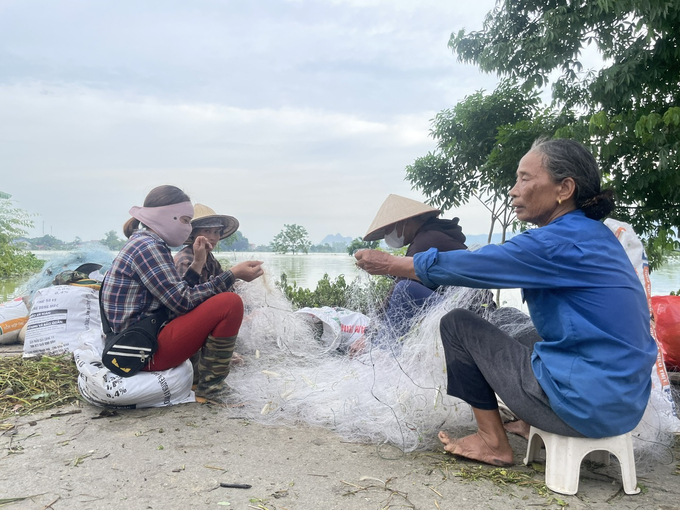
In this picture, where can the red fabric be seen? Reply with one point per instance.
(667, 318)
(219, 316)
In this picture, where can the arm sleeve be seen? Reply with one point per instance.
(183, 260)
(525, 261)
(191, 277)
(156, 270)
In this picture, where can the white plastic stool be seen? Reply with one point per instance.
(563, 456)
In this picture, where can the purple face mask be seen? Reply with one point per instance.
(165, 221)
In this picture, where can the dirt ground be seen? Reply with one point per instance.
(83, 457)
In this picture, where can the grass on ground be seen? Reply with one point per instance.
(36, 384)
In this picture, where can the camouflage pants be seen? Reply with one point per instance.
(211, 365)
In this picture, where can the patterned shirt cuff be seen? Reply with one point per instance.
(192, 277)
(228, 278)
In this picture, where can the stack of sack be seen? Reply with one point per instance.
(13, 318)
(65, 318)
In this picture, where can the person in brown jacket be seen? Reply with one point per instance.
(402, 221)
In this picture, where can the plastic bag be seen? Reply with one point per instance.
(340, 327)
(667, 317)
(661, 406)
(13, 316)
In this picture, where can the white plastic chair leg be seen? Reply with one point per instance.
(563, 457)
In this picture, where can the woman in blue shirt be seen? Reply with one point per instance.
(589, 373)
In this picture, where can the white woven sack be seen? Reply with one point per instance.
(341, 327)
(58, 317)
(661, 412)
(100, 387)
(13, 316)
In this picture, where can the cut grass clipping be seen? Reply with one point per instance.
(503, 477)
(36, 384)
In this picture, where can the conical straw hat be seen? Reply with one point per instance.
(396, 208)
(206, 217)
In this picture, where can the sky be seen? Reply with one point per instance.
(272, 111)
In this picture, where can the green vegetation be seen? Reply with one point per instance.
(293, 238)
(31, 385)
(364, 298)
(627, 111)
(359, 244)
(479, 144)
(503, 477)
(112, 241)
(327, 293)
(235, 242)
(14, 260)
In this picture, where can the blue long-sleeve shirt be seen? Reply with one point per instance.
(587, 304)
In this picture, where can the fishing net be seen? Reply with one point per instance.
(393, 394)
(88, 252)
(380, 396)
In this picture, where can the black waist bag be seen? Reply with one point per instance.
(127, 352)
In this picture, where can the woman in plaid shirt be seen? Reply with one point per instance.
(204, 317)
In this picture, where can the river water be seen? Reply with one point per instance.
(307, 270)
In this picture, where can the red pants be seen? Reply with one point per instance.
(219, 316)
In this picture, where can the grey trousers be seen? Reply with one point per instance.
(482, 360)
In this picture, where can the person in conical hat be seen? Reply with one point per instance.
(213, 227)
(402, 221)
(204, 318)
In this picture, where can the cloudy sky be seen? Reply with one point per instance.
(274, 111)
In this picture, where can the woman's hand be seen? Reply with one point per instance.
(373, 261)
(248, 270)
(201, 249)
(379, 262)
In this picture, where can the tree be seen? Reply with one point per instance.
(47, 242)
(479, 144)
(292, 238)
(359, 244)
(14, 223)
(112, 241)
(627, 111)
(321, 248)
(235, 242)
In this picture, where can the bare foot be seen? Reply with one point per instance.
(519, 427)
(474, 447)
(237, 359)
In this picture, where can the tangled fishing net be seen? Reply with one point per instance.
(380, 396)
(87, 252)
(394, 393)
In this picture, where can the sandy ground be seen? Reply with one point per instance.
(81, 457)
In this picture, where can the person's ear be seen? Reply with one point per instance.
(566, 190)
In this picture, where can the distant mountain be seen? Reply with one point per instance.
(337, 238)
